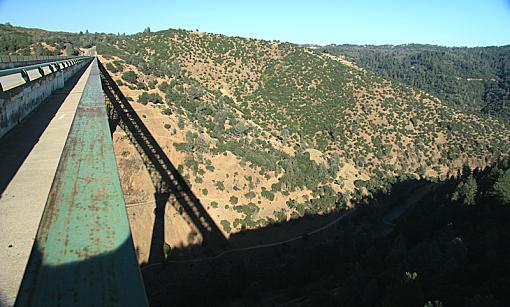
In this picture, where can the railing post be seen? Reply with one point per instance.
(24, 75)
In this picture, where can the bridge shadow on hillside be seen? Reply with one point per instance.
(17, 144)
(280, 254)
(336, 267)
(166, 179)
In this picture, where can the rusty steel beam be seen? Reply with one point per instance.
(83, 254)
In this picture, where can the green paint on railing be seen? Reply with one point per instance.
(83, 254)
(16, 70)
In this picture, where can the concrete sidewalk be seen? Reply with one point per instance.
(29, 156)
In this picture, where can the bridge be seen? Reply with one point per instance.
(65, 235)
(65, 238)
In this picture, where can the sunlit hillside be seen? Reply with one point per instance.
(265, 130)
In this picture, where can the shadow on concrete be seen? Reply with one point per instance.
(167, 181)
(17, 144)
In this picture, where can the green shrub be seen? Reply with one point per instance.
(166, 249)
(180, 123)
(220, 186)
(141, 86)
(250, 195)
(110, 67)
(267, 194)
(130, 77)
(152, 84)
(145, 97)
(226, 226)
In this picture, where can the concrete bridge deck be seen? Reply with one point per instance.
(29, 156)
(64, 233)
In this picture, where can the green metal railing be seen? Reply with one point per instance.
(53, 66)
(83, 254)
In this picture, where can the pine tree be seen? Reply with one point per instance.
(466, 191)
(501, 189)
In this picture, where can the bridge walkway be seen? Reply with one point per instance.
(29, 156)
(65, 237)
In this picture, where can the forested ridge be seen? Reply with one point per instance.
(474, 79)
(33, 41)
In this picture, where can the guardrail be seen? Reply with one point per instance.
(22, 89)
(29, 58)
(52, 67)
(83, 254)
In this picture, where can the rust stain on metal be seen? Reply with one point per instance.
(78, 248)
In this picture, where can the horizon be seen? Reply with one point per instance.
(301, 44)
(321, 23)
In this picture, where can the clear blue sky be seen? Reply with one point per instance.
(442, 22)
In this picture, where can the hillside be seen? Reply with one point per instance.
(33, 41)
(473, 79)
(451, 251)
(267, 131)
(329, 180)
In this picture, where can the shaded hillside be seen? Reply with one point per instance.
(276, 130)
(474, 79)
(448, 246)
